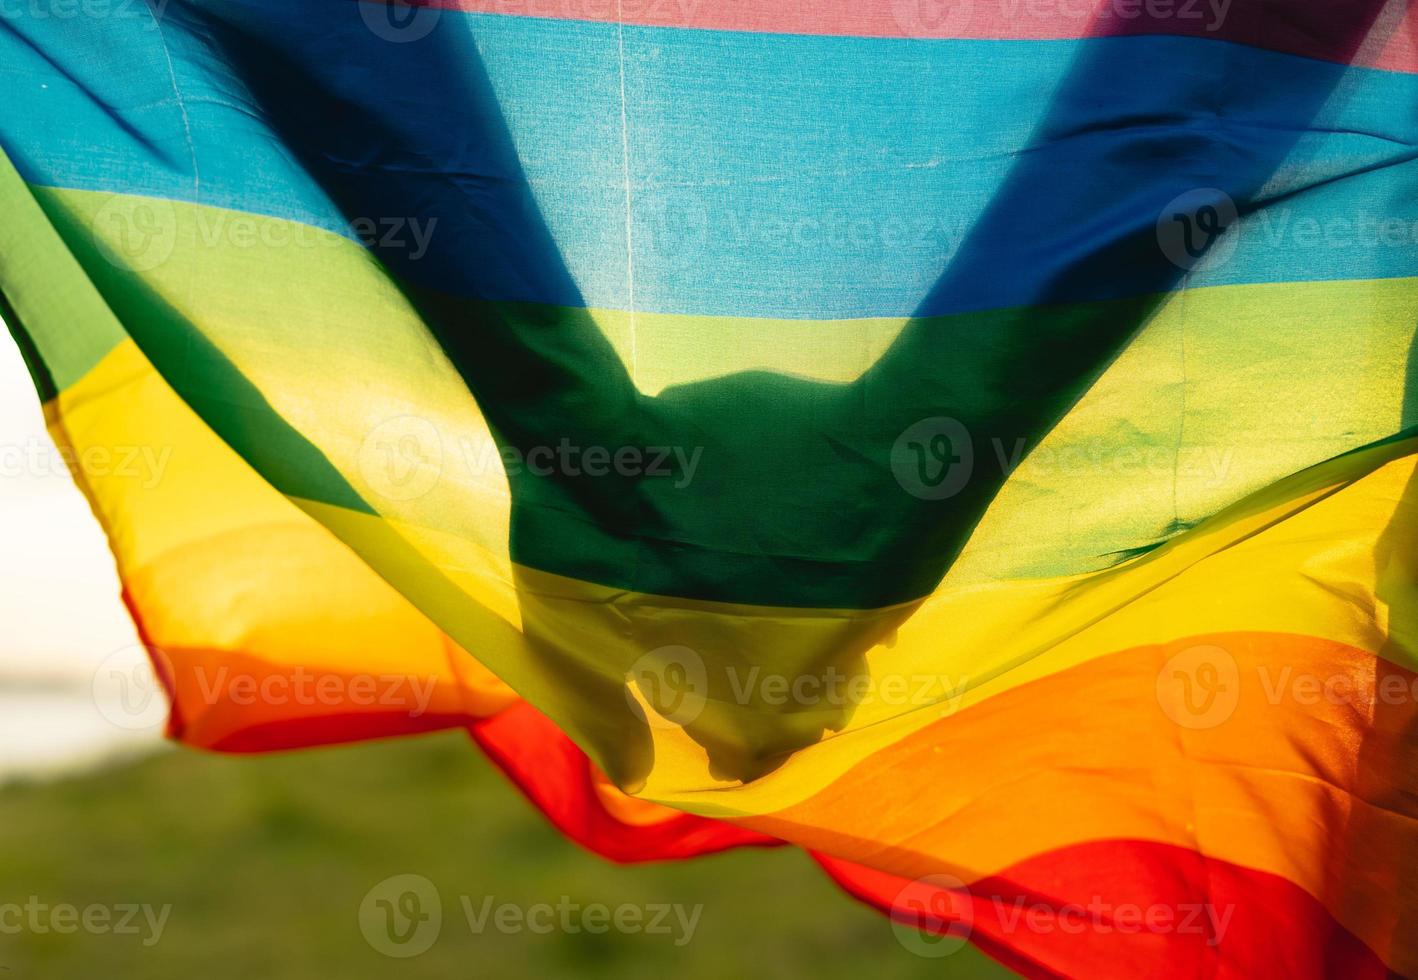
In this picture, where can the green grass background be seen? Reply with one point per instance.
(265, 861)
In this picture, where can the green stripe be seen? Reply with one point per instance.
(103, 233)
(58, 319)
(302, 354)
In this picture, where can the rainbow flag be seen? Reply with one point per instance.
(972, 440)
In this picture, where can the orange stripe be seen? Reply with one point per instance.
(1285, 754)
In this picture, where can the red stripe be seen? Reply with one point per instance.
(556, 776)
(1347, 31)
(1129, 909)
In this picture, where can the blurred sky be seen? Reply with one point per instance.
(62, 623)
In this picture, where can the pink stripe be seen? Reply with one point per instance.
(1347, 31)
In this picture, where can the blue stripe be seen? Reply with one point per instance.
(783, 176)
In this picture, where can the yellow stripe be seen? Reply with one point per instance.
(1297, 558)
(221, 568)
